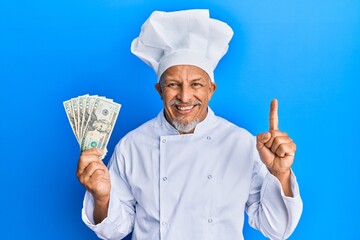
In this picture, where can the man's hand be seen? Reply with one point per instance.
(94, 175)
(277, 150)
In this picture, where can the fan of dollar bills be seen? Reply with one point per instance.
(92, 119)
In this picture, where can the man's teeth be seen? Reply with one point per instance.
(184, 108)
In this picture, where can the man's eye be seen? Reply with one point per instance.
(173, 85)
(196, 84)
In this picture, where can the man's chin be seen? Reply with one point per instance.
(185, 126)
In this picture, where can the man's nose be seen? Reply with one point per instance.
(184, 94)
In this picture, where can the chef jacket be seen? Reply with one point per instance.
(170, 186)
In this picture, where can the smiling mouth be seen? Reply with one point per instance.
(184, 108)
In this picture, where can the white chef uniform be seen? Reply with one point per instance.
(171, 186)
(192, 186)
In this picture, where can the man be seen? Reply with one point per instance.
(188, 174)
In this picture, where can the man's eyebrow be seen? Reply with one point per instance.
(199, 79)
(169, 79)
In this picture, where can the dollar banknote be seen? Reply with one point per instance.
(70, 114)
(92, 119)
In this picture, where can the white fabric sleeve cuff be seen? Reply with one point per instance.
(275, 185)
(272, 195)
(114, 226)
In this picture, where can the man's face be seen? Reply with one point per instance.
(186, 91)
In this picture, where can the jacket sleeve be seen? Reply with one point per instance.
(121, 213)
(269, 210)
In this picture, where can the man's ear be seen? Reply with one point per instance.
(213, 86)
(158, 89)
(212, 89)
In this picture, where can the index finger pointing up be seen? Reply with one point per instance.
(274, 119)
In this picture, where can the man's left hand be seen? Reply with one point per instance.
(276, 148)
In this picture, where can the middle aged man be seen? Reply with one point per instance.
(189, 174)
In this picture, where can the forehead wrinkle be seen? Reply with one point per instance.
(188, 78)
(184, 74)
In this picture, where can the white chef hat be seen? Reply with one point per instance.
(188, 37)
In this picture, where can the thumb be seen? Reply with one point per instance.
(96, 151)
(261, 139)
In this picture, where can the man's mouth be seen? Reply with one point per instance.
(184, 109)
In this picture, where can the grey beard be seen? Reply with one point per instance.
(185, 127)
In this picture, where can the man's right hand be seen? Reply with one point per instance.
(94, 175)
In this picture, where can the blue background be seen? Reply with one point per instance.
(305, 53)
